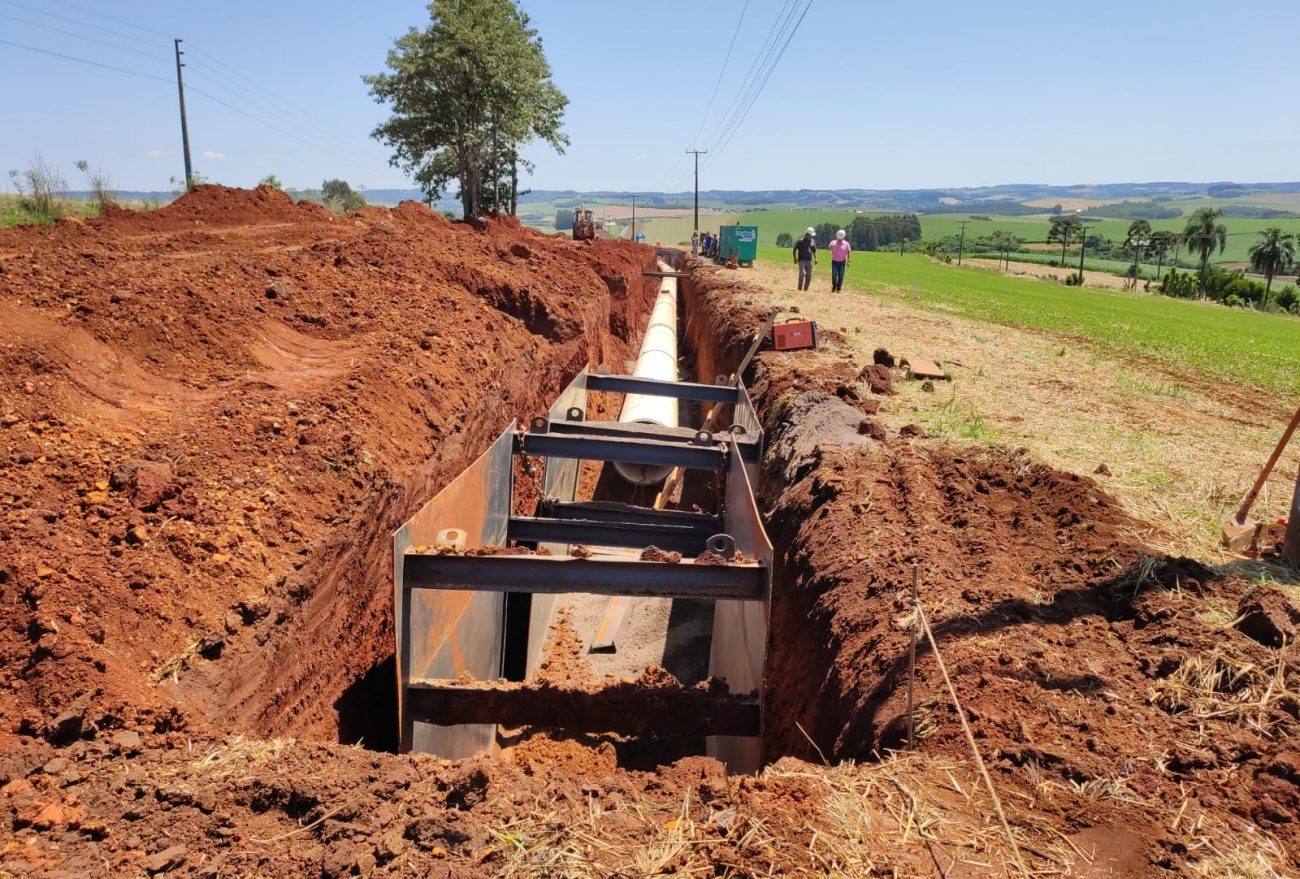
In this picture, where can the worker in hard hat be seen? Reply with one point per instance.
(805, 254)
(840, 251)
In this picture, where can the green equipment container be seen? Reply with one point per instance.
(740, 240)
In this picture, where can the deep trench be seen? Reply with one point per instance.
(367, 709)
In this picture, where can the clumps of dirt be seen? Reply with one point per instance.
(214, 205)
(1062, 633)
(878, 378)
(179, 447)
(655, 554)
(911, 431)
(882, 357)
(709, 557)
(1269, 616)
(479, 551)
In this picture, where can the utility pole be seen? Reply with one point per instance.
(1083, 245)
(697, 154)
(185, 128)
(634, 219)
(961, 242)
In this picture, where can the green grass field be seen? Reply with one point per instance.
(1242, 346)
(1242, 233)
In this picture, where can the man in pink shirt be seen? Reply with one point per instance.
(840, 251)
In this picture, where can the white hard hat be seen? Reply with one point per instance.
(810, 231)
(840, 234)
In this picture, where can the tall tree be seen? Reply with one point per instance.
(1272, 253)
(1163, 242)
(1137, 240)
(1202, 234)
(1064, 230)
(466, 92)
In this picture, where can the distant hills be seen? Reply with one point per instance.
(1004, 199)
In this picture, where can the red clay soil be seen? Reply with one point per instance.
(200, 480)
(215, 413)
(1082, 660)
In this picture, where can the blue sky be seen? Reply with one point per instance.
(868, 95)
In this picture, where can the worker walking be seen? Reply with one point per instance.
(840, 251)
(805, 254)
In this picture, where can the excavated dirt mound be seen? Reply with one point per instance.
(200, 481)
(214, 415)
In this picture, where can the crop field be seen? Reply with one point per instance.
(673, 230)
(1247, 347)
(1242, 232)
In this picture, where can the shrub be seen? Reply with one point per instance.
(1074, 279)
(101, 185)
(1181, 285)
(1287, 299)
(39, 189)
(784, 240)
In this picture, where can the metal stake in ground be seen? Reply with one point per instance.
(911, 660)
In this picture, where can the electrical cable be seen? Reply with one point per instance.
(80, 23)
(227, 85)
(87, 61)
(59, 30)
(751, 75)
(721, 73)
(229, 106)
(717, 149)
(111, 18)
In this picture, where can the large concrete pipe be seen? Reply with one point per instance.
(657, 359)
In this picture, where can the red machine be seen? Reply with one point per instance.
(794, 334)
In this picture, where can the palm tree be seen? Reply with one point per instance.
(1274, 251)
(1137, 239)
(1202, 233)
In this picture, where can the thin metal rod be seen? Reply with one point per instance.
(911, 660)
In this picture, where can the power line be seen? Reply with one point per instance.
(111, 18)
(87, 61)
(717, 149)
(230, 87)
(229, 106)
(721, 72)
(80, 23)
(751, 75)
(59, 30)
(285, 105)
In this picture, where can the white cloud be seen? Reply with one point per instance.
(212, 154)
(156, 154)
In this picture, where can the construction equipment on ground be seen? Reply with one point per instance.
(584, 224)
(738, 244)
(476, 583)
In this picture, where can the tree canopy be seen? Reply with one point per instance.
(340, 197)
(1272, 253)
(466, 93)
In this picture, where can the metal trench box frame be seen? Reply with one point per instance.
(444, 633)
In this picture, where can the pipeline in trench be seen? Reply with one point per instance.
(661, 482)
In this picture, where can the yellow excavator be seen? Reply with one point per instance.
(584, 225)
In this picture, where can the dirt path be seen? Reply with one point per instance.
(1178, 453)
(1105, 280)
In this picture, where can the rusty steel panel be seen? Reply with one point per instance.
(443, 634)
(739, 649)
